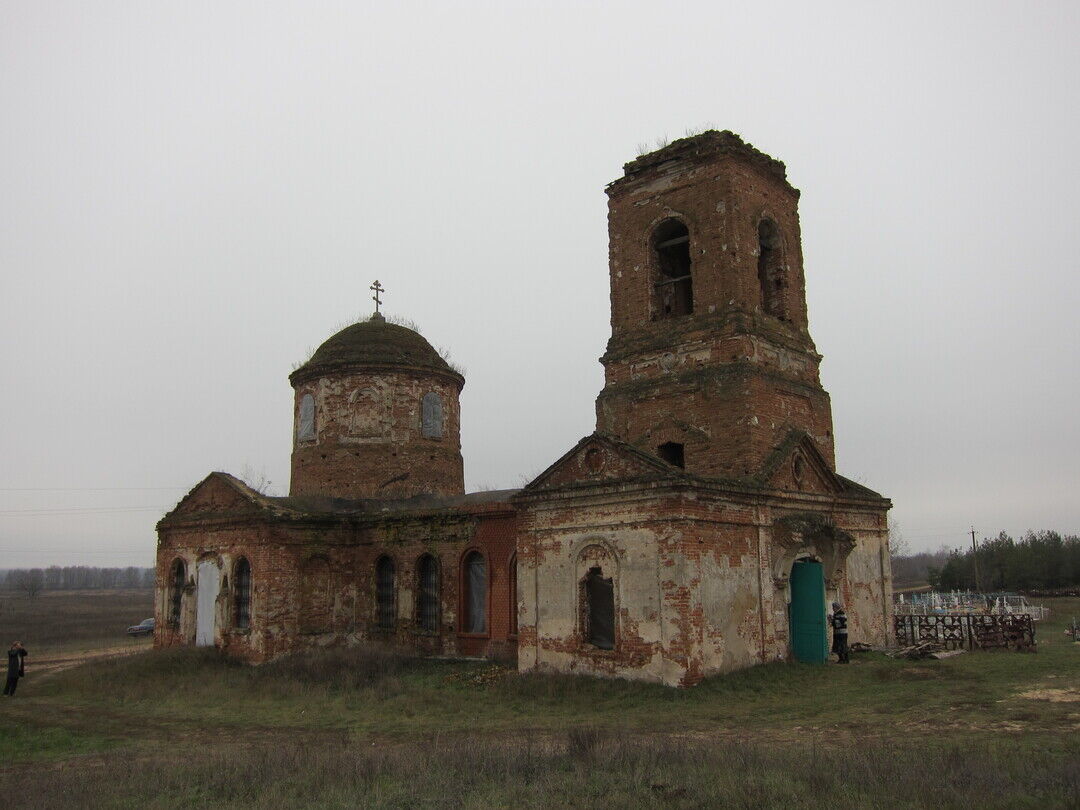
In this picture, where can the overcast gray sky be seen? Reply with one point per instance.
(193, 195)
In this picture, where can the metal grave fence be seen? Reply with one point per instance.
(968, 631)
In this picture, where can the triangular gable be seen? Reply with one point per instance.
(798, 465)
(598, 458)
(219, 493)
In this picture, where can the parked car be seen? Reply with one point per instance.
(143, 628)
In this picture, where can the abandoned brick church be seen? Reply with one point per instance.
(702, 528)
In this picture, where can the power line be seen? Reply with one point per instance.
(92, 489)
(82, 510)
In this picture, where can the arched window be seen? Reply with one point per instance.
(427, 576)
(242, 594)
(771, 272)
(674, 289)
(178, 580)
(513, 596)
(384, 592)
(305, 425)
(431, 416)
(599, 610)
(474, 593)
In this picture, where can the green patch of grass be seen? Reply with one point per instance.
(23, 741)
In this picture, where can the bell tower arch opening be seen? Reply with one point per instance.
(772, 274)
(673, 285)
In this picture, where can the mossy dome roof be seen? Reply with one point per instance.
(374, 342)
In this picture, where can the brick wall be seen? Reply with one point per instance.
(368, 440)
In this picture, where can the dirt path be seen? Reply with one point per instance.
(51, 663)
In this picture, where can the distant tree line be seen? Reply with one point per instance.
(911, 569)
(33, 581)
(1039, 561)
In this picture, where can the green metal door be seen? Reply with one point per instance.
(808, 640)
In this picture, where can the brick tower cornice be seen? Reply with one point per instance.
(697, 150)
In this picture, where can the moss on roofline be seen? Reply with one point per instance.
(374, 343)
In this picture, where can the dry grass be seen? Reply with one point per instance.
(584, 768)
(372, 727)
(57, 620)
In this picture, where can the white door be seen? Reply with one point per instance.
(207, 587)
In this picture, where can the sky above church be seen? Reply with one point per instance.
(195, 195)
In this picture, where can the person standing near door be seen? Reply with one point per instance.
(16, 667)
(838, 620)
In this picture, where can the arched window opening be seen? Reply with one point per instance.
(427, 574)
(242, 594)
(474, 592)
(599, 610)
(305, 425)
(431, 416)
(771, 273)
(176, 594)
(384, 592)
(672, 453)
(674, 289)
(513, 596)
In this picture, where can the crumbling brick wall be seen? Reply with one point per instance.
(369, 441)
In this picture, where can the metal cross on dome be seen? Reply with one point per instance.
(378, 288)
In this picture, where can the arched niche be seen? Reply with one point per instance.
(809, 536)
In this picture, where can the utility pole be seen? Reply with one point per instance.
(975, 559)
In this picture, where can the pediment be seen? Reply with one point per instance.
(599, 458)
(218, 493)
(799, 466)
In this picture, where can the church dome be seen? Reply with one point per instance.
(373, 343)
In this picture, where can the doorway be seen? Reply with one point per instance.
(208, 584)
(809, 642)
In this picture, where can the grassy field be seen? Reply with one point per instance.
(346, 728)
(56, 621)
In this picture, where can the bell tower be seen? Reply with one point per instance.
(710, 364)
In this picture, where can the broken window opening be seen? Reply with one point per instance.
(305, 428)
(242, 591)
(600, 610)
(672, 453)
(674, 288)
(427, 614)
(384, 592)
(772, 275)
(474, 603)
(179, 577)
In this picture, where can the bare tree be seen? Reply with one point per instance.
(898, 546)
(31, 582)
(257, 480)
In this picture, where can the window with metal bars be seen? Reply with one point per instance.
(179, 576)
(513, 596)
(427, 574)
(384, 592)
(474, 593)
(242, 593)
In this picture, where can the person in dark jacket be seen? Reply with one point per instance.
(16, 667)
(838, 620)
